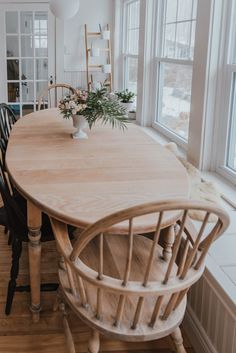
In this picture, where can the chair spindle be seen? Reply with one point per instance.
(176, 248)
(152, 253)
(130, 253)
(193, 252)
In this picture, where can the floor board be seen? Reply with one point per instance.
(19, 334)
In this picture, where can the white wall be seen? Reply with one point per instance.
(92, 13)
(70, 45)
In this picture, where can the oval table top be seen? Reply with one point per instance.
(81, 181)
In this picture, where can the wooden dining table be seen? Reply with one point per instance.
(81, 181)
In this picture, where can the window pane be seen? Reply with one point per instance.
(41, 69)
(41, 23)
(183, 40)
(27, 69)
(41, 46)
(27, 91)
(174, 97)
(12, 46)
(132, 28)
(179, 32)
(11, 22)
(40, 88)
(133, 42)
(231, 157)
(171, 11)
(27, 46)
(194, 9)
(13, 69)
(26, 22)
(132, 75)
(13, 92)
(169, 45)
(185, 10)
(133, 20)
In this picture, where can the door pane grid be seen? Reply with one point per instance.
(26, 57)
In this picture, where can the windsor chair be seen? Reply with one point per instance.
(7, 120)
(51, 96)
(121, 286)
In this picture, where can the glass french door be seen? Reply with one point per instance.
(27, 54)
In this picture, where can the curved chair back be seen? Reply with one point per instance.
(127, 272)
(7, 120)
(16, 219)
(52, 95)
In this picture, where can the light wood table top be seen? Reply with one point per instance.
(81, 181)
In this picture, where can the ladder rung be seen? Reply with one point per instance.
(95, 66)
(93, 33)
(101, 49)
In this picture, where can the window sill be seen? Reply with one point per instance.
(221, 261)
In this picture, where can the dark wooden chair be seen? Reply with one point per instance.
(16, 221)
(7, 120)
(13, 213)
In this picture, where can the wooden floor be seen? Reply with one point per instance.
(19, 334)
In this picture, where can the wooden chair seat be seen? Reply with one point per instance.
(114, 266)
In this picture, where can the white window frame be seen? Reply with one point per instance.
(204, 80)
(225, 92)
(125, 54)
(158, 60)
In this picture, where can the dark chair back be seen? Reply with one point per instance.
(7, 120)
(16, 218)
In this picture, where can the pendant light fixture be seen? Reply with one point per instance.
(64, 9)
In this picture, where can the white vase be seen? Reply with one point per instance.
(128, 106)
(80, 123)
(106, 35)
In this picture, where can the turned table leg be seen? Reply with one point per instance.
(34, 248)
(169, 238)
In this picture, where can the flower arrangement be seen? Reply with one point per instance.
(125, 96)
(94, 106)
(73, 104)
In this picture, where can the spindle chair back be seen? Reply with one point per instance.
(51, 96)
(7, 120)
(120, 284)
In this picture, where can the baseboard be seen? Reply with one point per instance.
(196, 333)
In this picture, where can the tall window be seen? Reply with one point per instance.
(174, 59)
(131, 44)
(226, 147)
(231, 68)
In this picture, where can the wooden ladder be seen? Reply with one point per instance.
(90, 67)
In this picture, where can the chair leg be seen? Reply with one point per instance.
(178, 341)
(16, 253)
(68, 335)
(58, 300)
(94, 342)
